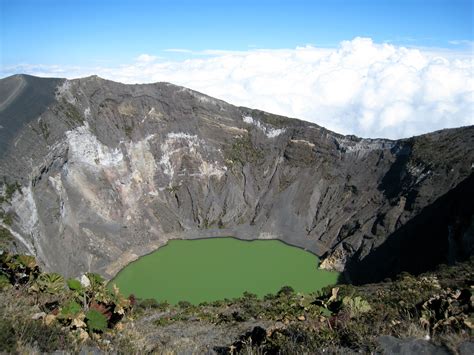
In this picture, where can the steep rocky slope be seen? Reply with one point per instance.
(98, 173)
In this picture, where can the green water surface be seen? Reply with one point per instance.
(217, 268)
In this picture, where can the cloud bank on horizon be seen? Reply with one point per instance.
(361, 87)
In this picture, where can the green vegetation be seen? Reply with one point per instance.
(43, 313)
(447, 155)
(271, 119)
(71, 112)
(7, 216)
(128, 131)
(241, 151)
(6, 239)
(344, 318)
(173, 189)
(44, 129)
(9, 190)
(43, 310)
(218, 268)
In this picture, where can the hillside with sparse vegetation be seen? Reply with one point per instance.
(45, 312)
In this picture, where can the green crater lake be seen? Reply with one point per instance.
(206, 270)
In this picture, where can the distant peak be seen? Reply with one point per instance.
(92, 77)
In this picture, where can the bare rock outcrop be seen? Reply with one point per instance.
(107, 172)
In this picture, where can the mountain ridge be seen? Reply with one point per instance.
(110, 171)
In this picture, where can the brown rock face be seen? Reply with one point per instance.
(109, 172)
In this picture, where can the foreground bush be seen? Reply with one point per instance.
(44, 312)
(50, 313)
(436, 307)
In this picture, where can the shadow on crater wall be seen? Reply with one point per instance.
(433, 237)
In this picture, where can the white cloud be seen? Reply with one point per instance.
(146, 58)
(462, 42)
(361, 87)
(178, 50)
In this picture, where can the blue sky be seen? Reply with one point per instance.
(91, 32)
(373, 68)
